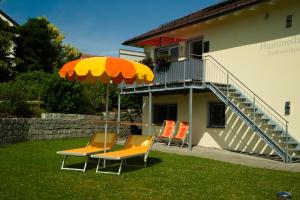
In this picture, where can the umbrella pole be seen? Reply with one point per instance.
(106, 120)
(106, 115)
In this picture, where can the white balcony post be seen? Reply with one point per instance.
(150, 113)
(119, 113)
(190, 117)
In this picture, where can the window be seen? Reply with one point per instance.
(196, 49)
(289, 21)
(216, 115)
(173, 52)
(162, 112)
(206, 47)
(163, 52)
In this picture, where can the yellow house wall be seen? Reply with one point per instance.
(235, 136)
(259, 50)
(263, 54)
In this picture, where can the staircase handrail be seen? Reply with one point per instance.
(239, 81)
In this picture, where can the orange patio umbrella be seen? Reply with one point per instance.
(106, 70)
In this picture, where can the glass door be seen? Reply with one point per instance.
(196, 49)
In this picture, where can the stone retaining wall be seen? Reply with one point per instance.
(56, 125)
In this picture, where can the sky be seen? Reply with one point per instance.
(99, 27)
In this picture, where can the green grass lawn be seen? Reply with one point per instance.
(31, 170)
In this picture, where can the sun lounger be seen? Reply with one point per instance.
(166, 130)
(135, 146)
(95, 145)
(182, 132)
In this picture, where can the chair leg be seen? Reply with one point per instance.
(182, 143)
(63, 162)
(109, 172)
(97, 168)
(169, 142)
(85, 164)
(120, 168)
(145, 160)
(104, 163)
(155, 142)
(74, 169)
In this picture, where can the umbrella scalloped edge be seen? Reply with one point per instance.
(105, 69)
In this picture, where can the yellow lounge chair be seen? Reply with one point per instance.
(95, 145)
(135, 145)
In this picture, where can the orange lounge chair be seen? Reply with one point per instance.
(135, 146)
(167, 130)
(182, 132)
(95, 145)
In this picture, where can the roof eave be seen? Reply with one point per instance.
(9, 18)
(131, 42)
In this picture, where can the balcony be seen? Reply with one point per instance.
(177, 72)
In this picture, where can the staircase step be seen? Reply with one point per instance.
(266, 120)
(234, 94)
(246, 103)
(279, 133)
(240, 98)
(257, 115)
(296, 149)
(282, 136)
(249, 108)
(263, 122)
(222, 85)
(296, 156)
(231, 90)
(268, 125)
(289, 143)
(289, 140)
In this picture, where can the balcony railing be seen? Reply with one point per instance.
(179, 71)
(176, 72)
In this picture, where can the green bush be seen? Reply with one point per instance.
(34, 82)
(58, 95)
(66, 97)
(13, 97)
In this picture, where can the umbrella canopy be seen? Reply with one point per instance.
(160, 41)
(106, 69)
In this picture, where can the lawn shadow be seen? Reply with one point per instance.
(131, 164)
(91, 165)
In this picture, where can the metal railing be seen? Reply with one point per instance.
(217, 74)
(190, 69)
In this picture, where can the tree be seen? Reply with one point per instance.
(68, 53)
(38, 46)
(7, 65)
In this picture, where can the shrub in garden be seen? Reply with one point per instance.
(13, 100)
(64, 96)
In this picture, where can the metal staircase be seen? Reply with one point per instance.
(268, 124)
